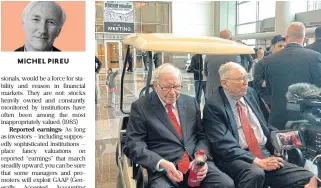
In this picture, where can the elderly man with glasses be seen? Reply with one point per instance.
(42, 22)
(241, 138)
(165, 131)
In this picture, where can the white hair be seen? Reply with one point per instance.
(226, 68)
(26, 11)
(166, 68)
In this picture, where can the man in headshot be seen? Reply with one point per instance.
(42, 22)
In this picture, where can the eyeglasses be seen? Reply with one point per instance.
(168, 88)
(244, 78)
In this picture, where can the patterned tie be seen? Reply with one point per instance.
(183, 164)
(251, 140)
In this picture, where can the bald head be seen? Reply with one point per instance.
(295, 33)
(226, 34)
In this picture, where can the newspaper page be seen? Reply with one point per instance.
(47, 94)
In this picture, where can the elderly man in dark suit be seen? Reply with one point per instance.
(241, 139)
(164, 132)
(42, 22)
(213, 63)
(293, 64)
(316, 46)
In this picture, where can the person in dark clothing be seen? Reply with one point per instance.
(145, 57)
(246, 60)
(294, 64)
(277, 44)
(156, 59)
(130, 61)
(316, 46)
(197, 62)
(98, 65)
(241, 139)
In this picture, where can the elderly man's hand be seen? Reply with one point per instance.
(264, 84)
(270, 163)
(201, 174)
(171, 170)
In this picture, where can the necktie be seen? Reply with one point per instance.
(183, 164)
(251, 140)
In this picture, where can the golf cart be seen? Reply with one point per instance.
(132, 175)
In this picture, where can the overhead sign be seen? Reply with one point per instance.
(119, 17)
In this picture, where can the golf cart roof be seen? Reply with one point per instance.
(168, 42)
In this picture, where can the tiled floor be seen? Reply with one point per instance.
(107, 122)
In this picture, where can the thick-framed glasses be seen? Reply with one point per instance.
(243, 78)
(168, 88)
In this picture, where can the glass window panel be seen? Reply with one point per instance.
(299, 6)
(266, 9)
(138, 7)
(313, 5)
(99, 11)
(248, 28)
(318, 5)
(247, 12)
(249, 42)
(163, 13)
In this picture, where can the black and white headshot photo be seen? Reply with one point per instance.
(42, 22)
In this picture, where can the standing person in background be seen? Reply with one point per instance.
(130, 61)
(156, 59)
(259, 55)
(197, 63)
(294, 64)
(145, 57)
(245, 60)
(277, 44)
(97, 69)
(112, 87)
(316, 46)
(213, 63)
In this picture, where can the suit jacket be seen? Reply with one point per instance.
(22, 49)
(259, 77)
(211, 67)
(221, 128)
(294, 64)
(151, 135)
(195, 66)
(316, 46)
